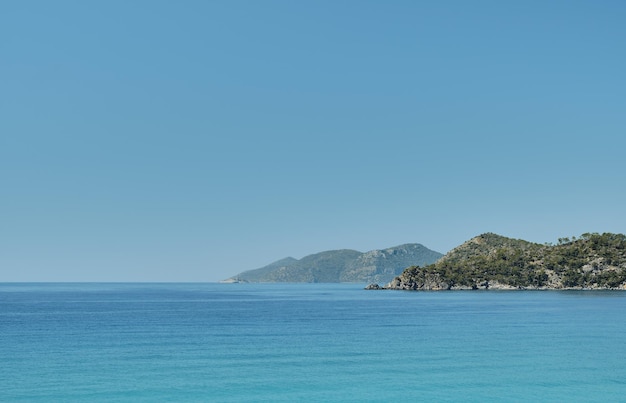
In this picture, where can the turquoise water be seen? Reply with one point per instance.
(311, 342)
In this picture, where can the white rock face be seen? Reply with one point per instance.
(496, 285)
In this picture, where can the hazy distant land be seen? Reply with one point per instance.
(335, 266)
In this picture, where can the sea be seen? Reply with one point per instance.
(209, 342)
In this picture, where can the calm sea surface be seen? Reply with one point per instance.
(311, 342)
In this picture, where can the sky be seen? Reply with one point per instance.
(193, 140)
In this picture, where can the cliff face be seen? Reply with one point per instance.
(491, 261)
(379, 266)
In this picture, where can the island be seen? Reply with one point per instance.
(341, 266)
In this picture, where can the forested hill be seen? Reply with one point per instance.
(592, 261)
(344, 265)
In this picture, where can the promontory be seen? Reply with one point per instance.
(489, 261)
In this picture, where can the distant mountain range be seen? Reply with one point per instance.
(338, 266)
(491, 261)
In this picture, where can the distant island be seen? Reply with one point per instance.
(489, 261)
(342, 266)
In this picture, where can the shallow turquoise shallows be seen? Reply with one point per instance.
(308, 342)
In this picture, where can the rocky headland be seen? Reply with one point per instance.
(493, 262)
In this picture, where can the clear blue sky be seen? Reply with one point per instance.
(193, 140)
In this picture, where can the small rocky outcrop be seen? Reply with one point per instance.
(373, 286)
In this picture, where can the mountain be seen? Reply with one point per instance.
(593, 261)
(345, 265)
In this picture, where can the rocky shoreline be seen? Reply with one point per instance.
(495, 285)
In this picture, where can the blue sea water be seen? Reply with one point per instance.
(308, 342)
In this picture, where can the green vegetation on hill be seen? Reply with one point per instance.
(596, 261)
